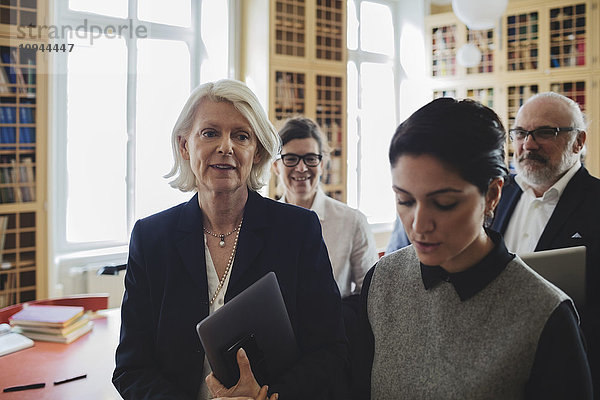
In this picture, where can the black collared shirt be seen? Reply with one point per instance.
(560, 369)
(473, 280)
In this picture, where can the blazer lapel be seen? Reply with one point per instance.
(190, 244)
(510, 197)
(250, 243)
(568, 203)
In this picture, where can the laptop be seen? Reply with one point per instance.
(565, 268)
(257, 320)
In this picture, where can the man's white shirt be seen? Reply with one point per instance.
(531, 214)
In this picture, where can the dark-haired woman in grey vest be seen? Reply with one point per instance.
(455, 315)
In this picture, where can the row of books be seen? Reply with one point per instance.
(9, 268)
(333, 171)
(17, 180)
(50, 323)
(6, 280)
(3, 227)
(11, 74)
(8, 130)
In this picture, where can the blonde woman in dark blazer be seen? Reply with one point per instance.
(187, 261)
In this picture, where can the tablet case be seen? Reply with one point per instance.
(564, 267)
(257, 320)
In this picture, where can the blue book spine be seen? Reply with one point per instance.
(3, 120)
(11, 136)
(12, 115)
(24, 130)
(23, 117)
(30, 118)
(31, 136)
(10, 70)
(3, 136)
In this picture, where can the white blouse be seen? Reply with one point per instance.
(349, 241)
(213, 283)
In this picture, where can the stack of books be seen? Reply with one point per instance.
(61, 324)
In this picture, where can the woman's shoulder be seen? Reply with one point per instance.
(532, 282)
(521, 287)
(281, 209)
(342, 210)
(396, 263)
(405, 254)
(166, 217)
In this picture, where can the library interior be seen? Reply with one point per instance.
(90, 92)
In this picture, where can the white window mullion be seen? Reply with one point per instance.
(376, 116)
(235, 38)
(166, 62)
(197, 51)
(131, 129)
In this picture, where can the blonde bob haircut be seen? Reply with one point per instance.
(246, 102)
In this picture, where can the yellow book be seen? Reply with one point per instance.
(47, 337)
(46, 315)
(59, 331)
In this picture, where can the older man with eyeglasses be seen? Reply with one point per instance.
(552, 202)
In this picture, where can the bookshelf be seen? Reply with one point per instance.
(539, 46)
(303, 43)
(23, 90)
(21, 13)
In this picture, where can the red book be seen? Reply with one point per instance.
(41, 315)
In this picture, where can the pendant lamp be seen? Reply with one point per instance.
(468, 55)
(479, 14)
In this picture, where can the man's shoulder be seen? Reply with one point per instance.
(510, 187)
(590, 179)
(585, 182)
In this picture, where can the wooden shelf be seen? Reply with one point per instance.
(307, 71)
(16, 14)
(23, 87)
(290, 28)
(485, 41)
(522, 32)
(443, 54)
(545, 46)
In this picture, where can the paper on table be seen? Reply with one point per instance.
(11, 342)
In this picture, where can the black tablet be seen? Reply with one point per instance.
(564, 267)
(257, 320)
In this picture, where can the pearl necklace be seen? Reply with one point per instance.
(222, 236)
(229, 262)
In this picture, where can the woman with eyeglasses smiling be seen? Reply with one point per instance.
(346, 232)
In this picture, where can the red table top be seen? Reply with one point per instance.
(92, 354)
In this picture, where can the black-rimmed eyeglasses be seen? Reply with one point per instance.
(544, 134)
(310, 159)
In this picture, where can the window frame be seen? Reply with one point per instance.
(357, 57)
(60, 248)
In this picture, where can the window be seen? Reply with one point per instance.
(372, 106)
(116, 97)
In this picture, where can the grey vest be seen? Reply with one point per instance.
(430, 345)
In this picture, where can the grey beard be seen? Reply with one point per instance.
(546, 174)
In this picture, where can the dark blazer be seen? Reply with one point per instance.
(160, 355)
(577, 212)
